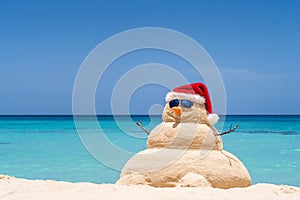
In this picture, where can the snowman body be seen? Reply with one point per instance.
(185, 150)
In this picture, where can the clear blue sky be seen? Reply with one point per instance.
(255, 44)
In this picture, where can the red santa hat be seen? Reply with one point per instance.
(197, 93)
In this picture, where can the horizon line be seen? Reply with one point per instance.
(86, 115)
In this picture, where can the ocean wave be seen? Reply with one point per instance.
(3, 143)
(269, 132)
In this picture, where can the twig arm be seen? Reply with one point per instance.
(230, 130)
(143, 128)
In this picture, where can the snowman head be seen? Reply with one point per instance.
(189, 103)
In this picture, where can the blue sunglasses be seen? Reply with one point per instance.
(184, 103)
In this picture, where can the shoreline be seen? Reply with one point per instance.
(16, 188)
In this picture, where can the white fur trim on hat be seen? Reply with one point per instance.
(182, 96)
(213, 119)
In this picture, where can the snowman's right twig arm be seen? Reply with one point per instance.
(141, 126)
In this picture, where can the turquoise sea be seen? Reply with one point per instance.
(49, 147)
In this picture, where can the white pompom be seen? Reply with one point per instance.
(213, 119)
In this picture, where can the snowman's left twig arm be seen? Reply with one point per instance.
(230, 130)
(141, 126)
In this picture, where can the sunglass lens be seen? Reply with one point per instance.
(173, 103)
(186, 103)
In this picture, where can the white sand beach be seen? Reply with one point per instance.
(12, 188)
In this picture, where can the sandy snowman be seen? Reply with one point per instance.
(185, 150)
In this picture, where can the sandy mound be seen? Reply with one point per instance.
(171, 168)
(21, 189)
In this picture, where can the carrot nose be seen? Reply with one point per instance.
(177, 110)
